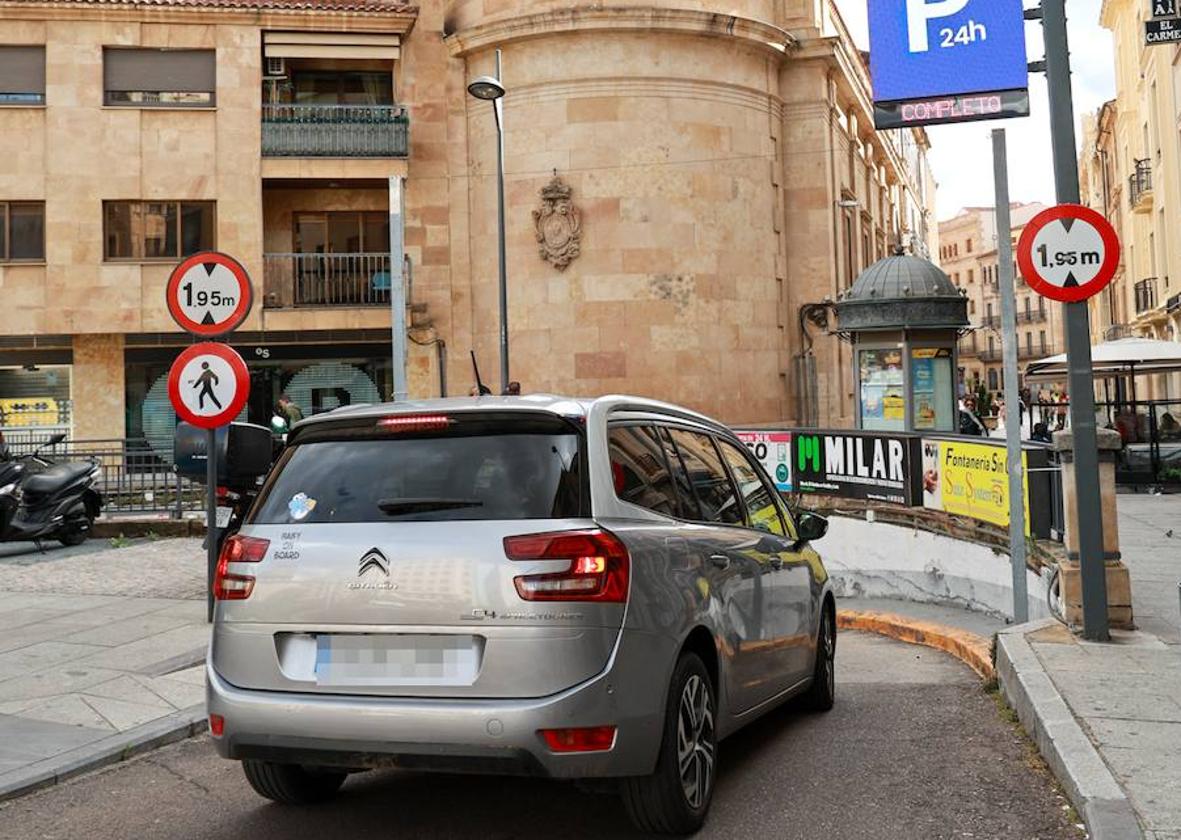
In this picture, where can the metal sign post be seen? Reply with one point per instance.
(1089, 511)
(1004, 243)
(209, 294)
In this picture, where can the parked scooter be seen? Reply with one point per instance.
(44, 500)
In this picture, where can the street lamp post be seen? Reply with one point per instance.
(491, 89)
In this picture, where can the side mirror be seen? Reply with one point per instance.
(55, 439)
(811, 526)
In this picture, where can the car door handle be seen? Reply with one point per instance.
(721, 561)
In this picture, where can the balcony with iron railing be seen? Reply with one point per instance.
(1140, 187)
(362, 131)
(1118, 331)
(1145, 295)
(1024, 351)
(326, 280)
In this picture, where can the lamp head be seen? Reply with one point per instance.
(486, 87)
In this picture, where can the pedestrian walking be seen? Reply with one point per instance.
(289, 411)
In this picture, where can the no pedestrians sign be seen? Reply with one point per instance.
(208, 385)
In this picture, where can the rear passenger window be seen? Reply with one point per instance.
(708, 477)
(761, 509)
(639, 470)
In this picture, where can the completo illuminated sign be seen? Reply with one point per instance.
(950, 109)
(936, 61)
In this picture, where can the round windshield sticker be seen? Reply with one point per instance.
(300, 506)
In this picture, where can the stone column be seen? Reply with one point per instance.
(97, 388)
(1119, 589)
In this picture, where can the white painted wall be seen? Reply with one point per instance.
(877, 560)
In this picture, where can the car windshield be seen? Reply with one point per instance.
(495, 474)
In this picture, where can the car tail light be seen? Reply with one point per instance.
(598, 570)
(414, 422)
(217, 725)
(228, 586)
(581, 739)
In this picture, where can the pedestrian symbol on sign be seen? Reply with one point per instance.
(208, 385)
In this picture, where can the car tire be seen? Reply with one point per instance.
(292, 784)
(821, 695)
(671, 800)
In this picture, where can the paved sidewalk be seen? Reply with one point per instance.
(1107, 717)
(95, 660)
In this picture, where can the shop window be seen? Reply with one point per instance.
(22, 231)
(34, 400)
(157, 230)
(22, 75)
(145, 78)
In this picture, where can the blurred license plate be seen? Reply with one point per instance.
(223, 516)
(397, 659)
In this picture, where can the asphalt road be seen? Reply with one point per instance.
(914, 749)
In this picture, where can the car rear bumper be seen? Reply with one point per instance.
(480, 736)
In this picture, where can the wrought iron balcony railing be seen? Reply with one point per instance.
(1145, 294)
(335, 131)
(1140, 183)
(326, 280)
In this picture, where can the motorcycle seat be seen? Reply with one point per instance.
(56, 477)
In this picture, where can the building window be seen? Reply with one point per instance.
(1027, 310)
(968, 246)
(157, 230)
(1029, 343)
(992, 378)
(145, 78)
(342, 233)
(1041, 337)
(971, 276)
(22, 75)
(971, 307)
(316, 87)
(22, 231)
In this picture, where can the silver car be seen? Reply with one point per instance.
(535, 585)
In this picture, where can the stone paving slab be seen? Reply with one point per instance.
(101, 653)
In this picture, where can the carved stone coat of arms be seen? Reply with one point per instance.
(558, 224)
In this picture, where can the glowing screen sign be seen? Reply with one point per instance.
(941, 61)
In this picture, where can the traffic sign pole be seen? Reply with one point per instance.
(1004, 245)
(210, 519)
(1089, 522)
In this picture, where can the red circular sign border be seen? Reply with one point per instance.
(245, 297)
(241, 378)
(1060, 293)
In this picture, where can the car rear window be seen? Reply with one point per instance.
(493, 474)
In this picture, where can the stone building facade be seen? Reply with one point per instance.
(968, 253)
(721, 164)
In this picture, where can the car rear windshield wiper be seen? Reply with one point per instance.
(397, 506)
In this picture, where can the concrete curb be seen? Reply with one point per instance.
(1060, 739)
(973, 650)
(110, 750)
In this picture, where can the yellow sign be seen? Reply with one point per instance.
(29, 411)
(970, 479)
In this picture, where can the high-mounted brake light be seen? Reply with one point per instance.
(414, 422)
(598, 570)
(227, 585)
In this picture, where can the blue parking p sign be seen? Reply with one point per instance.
(947, 60)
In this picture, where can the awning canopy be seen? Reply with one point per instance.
(1124, 357)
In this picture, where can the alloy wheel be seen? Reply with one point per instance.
(696, 745)
(829, 652)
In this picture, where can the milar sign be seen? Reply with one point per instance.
(856, 465)
(940, 61)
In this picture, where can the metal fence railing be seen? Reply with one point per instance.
(1140, 182)
(1149, 430)
(327, 279)
(134, 478)
(335, 131)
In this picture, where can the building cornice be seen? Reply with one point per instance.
(397, 20)
(619, 19)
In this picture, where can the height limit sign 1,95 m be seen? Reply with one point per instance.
(209, 294)
(1068, 253)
